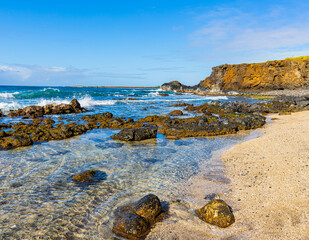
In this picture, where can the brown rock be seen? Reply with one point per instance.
(133, 221)
(15, 141)
(218, 213)
(163, 94)
(84, 176)
(176, 113)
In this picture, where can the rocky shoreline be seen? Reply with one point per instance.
(211, 119)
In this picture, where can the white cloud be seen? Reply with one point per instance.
(55, 75)
(233, 35)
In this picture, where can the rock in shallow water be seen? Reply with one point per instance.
(89, 176)
(133, 221)
(218, 213)
(15, 141)
(136, 134)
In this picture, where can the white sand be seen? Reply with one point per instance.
(268, 191)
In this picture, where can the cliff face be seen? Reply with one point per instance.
(291, 73)
(271, 75)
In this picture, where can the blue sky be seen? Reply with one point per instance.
(142, 43)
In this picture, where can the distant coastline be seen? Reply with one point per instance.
(80, 86)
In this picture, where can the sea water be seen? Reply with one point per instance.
(38, 199)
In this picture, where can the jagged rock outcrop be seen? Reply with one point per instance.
(291, 73)
(38, 111)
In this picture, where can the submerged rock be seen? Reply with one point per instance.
(136, 134)
(218, 213)
(133, 221)
(89, 176)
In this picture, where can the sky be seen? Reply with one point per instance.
(142, 42)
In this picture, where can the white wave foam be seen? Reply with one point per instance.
(8, 95)
(216, 98)
(6, 107)
(89, 101)
(44, 102)
(54, 89)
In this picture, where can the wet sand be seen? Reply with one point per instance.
(266, 184)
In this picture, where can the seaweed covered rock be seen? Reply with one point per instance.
(5, 126)
(218, 213)
(133, 221)
(9, 142)
(136, 134)
(98, 117)
(28, 112)
(84, 176)
(176, 113)
(89, 176)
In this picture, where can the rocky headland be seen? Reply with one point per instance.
(288, 74)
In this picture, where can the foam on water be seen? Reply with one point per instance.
(7, 95)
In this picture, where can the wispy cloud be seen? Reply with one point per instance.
(55, 75)
(235, 35)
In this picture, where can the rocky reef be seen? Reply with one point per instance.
(211, 119)
(290, 73)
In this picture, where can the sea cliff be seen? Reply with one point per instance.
(290, 73)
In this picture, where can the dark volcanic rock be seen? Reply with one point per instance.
(218, 213)
(37, 111)
(133, 221)
(136, 134)
(1, 114)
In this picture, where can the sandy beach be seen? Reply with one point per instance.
(269, 181)
(266, 184)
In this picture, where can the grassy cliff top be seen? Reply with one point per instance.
(298, 59)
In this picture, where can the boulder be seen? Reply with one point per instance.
(136, 134)
(218, 213)
(176, 113)
(133, 221)
(1, 114)
(163, 94)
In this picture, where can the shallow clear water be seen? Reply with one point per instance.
(38, 200)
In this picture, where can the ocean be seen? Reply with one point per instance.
(38, 199)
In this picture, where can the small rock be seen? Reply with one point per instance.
(176, 113)
(84, 176)
(163, 94)
(90, 176)
(218, 213)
